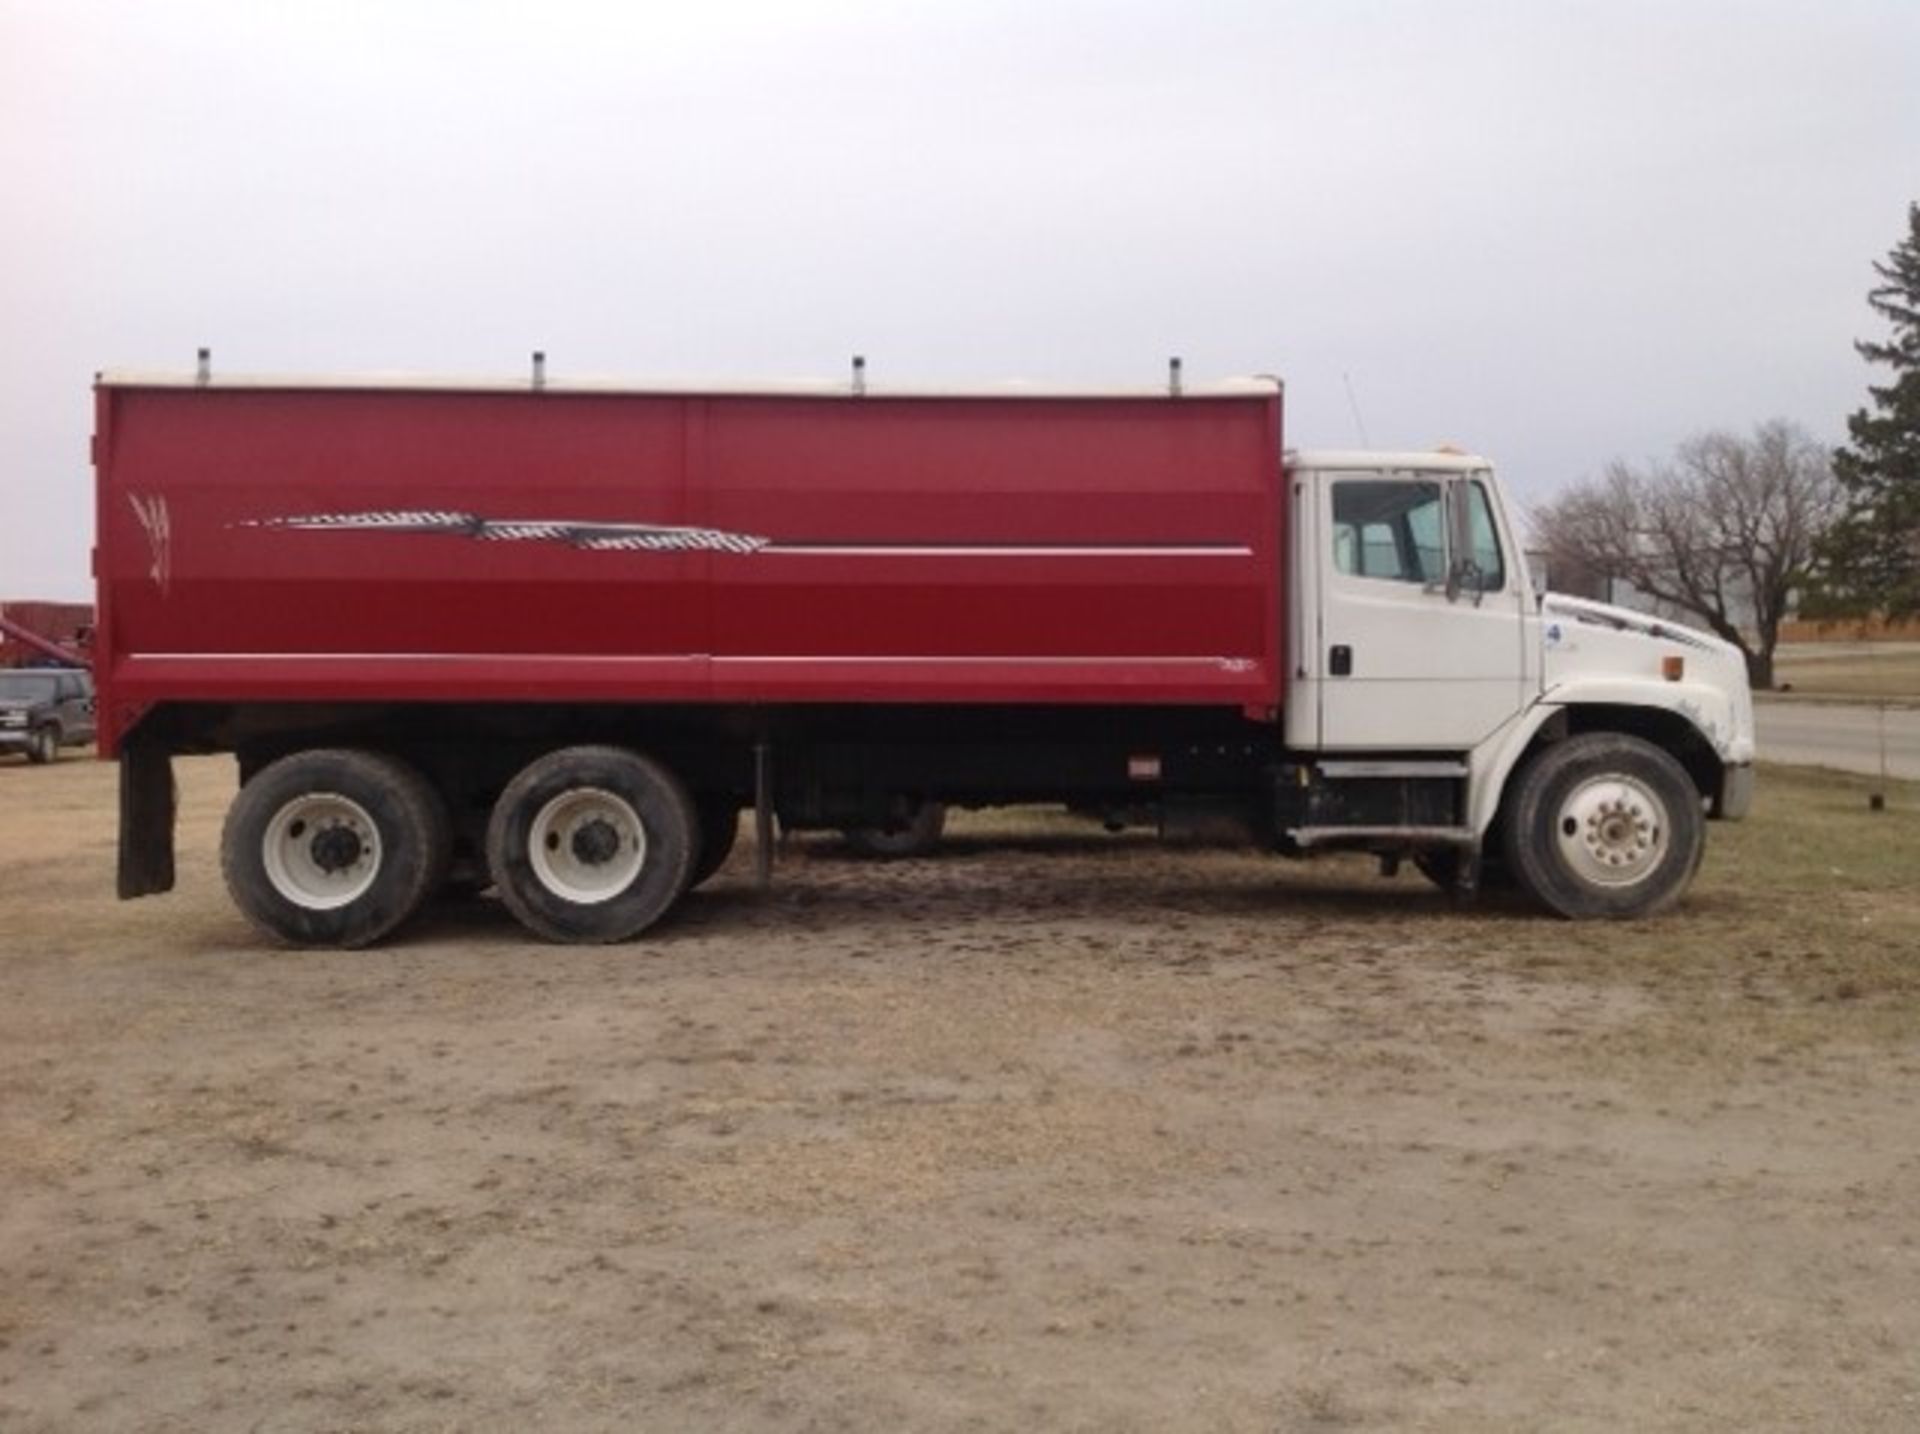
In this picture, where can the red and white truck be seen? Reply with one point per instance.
(558, 637)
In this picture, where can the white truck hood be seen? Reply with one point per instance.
(1595, 651)
(1625, 619)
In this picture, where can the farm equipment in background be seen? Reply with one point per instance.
(34, 633)
(46, 685)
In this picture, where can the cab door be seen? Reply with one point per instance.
(1419, 640)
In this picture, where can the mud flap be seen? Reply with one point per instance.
(147, 803)
(1735, 798)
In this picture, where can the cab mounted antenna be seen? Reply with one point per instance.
(1353, 405)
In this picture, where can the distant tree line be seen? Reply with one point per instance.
(1736, 529)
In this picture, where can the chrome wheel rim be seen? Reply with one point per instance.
(587, 845)
(1613, 831)
(321, 851)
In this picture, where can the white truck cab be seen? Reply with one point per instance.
(1591, 739)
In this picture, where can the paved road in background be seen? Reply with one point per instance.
(1818, 734)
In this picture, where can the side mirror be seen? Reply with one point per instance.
(1462, 570)
(1466, 574)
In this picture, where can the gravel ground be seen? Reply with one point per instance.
(1059, 1131)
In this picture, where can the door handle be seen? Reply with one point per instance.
(1340, 661)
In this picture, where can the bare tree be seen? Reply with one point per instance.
(1723, 532)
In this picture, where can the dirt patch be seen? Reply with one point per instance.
(1058, 1131)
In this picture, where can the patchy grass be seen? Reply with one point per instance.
(1830, 890)
(1812, 835)
(1852, 671)
(1057, 1130)
(1802, 933)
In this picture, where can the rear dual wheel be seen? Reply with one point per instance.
(334, 847)
(719, 830)
(592, 844)
(338, 847)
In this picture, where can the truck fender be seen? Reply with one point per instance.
(1705, 710)
(1492, 764)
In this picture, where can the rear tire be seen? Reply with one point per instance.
(1605, 825)
(591, 844)
(719, 830)
(920, 836)
(333, 847)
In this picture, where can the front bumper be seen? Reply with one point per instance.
(1736, 793)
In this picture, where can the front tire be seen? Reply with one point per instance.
(591, 844)
(1605, 825)
(333, 847)
(43, 746)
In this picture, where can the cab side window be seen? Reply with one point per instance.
(1391, 529)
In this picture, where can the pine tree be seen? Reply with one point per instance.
(1872, 555)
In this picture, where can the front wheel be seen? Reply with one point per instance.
(43, 746)
(591, 844)
(333, 847)
(1605, 825)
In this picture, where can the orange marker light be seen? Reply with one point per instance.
(1673, 668)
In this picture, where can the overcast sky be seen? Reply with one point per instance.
(1552, 232)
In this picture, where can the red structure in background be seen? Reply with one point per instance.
(36, 633)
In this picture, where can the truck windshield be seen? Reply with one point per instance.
(26, 686)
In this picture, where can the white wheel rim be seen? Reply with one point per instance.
(321, 851)
(587, 845)
(1613, 831)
